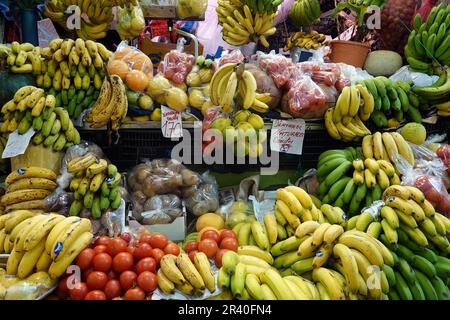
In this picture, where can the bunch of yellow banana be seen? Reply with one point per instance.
(230, 79)
(99, 15)
(111, 106)
(443, 109)
(30, 108)
(388, 146)
(70, 62)
(241, 26)
(186, 276)
(130, 22)
(311, 40)
(95, 185)
(377, 175)
(23, 58)
(42, 242)
(344, 122)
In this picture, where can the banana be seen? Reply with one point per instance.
(270, 223)
(318, 235)
(403, 147)
(189, 271)
(24, 195)
(13, 262)
(250, 89)
(30, 172)
(415, 194)
(81, 163)
(171, 271)
(333, 233)
(306, 248)
(301, 196)
(400, 204)
(364, 246)
(57, 230)
(69, 236)
(259, 235)
(322, 255)
(32, 183)
(282, 207)
(363, 221)
(328, 280)
(255, 252)
(237, 282)
(44, 261)
(164, 283)
(275, 282)
(41, 231)
(29, 260)
(253, 286)
(58, 268)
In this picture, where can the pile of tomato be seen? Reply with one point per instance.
(214, 244)
(118, 268)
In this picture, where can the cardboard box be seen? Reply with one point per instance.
(175, 231)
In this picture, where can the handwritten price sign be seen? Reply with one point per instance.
(171, 124)
(287, 136)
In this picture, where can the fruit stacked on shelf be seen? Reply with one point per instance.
(201, 73)
(392, 99)
(99, 15)
(344, 122)
(305, 13)
(164, 92)
(311, 40)
(231, 78)
(95, 185)
(23, 58)
(388, 146)
(241, 25)
(428, 43)
(438, 93)
(74, 101)
(261, 6)
(43, 242)
(31, 108)
(199, 98)
(191, 8)
(111, 105)
(245, 131)
(27, 188)
(140, 100)
(130, 21)
(118, 268)
(31, 288)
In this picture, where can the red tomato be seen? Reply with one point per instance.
(102, 262)
(218, 257)
(100, 248)
(208, 247)
(172, 248)
(131, 249)
(127, 279)
(134, 294)
(112, 289)
(95, 295)
(227, 234)
(87, 273)
(103, 240)
(147, 281)
(142, 251)
(158, 241)
(229, 243)
(112, 275)
(146, 264)
(79, 291)
(146, 237)
(84, 259)
(191, 255)
(63, 290)
(116, 246)
(122, 261)
(96, 280)
(210, 234)
(190, 246)
(157, 254)
(126, 236)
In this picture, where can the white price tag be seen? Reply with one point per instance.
(171, 124)
(287, 136)
(17, 143)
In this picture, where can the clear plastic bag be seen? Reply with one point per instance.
(306, 99)
(234, 56)
(132, 65)
(275, 65)
(161, 209)
(434, 190)
(130, 21)
(177, 64)
(191, 9)
(34, 287)
(202, 198)
(444, 154)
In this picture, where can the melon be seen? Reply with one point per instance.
(383, 63)
(209, 220)
(414, 133)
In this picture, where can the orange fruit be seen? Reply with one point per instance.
(141, 61)
(136, 80)
(122, 53)
(119, 68)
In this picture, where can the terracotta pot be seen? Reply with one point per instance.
(349, 52)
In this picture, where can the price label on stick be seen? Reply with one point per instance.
(171, 124)
(287, 136)
(17, 143)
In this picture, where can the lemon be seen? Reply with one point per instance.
(196, 98)
(145, 102)
(220, 124)
(414, 133)
(176, 99)
(157, 85)
(156, 115)
(193, 79)
(256, 121)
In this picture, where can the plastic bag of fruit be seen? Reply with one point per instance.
(202, 198)
(161, 209)
(177, 64)
(275, 65)
(434, 190)
(34, 287)
(130, 21)
(201, 72)
(191, 8)
(132, 65)
(234, 56)
(305, 99)
(444, 153)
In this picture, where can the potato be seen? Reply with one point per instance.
(148, 187)
(174, 165)
(139, 197)
(190, 178)
(142, 173)
(154, 203)
(132, 181)
(188, 192)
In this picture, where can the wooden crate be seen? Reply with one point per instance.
(38, 156)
